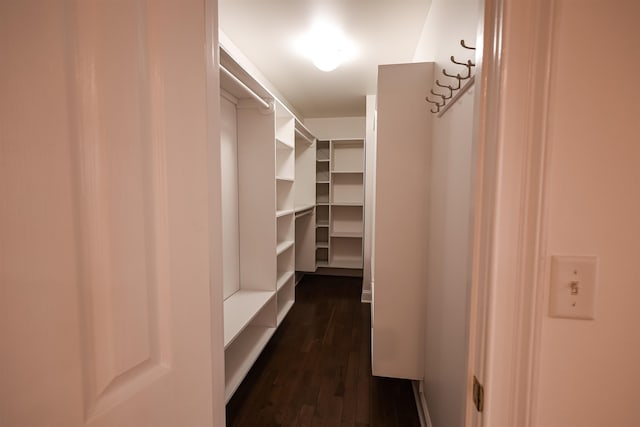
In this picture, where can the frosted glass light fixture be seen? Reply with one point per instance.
(326, 46)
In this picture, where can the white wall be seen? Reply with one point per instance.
(448, 285)
(337, 127)
(589, 370)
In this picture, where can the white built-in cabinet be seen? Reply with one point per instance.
(340, 203)
(401, 220)
(268, 203)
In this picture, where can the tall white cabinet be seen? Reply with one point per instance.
(401, 220)
(268, 203)
(340, 203)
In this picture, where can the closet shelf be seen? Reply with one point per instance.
(346, 263)
(284, 212)
(347, 234)
(320, 245)
(286, 144)
(283, 246)
(322, 160)
(347, 203)
(304, 207)
(242, 354)
(284, 178)
(284, 310)
(240, 308)
(284, 277)
(350, 171)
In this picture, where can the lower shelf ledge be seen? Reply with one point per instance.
(242, 354)
(240, 308)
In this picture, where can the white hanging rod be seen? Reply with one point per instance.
(246, 88)
(299, 132)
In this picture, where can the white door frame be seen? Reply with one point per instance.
(506, 297)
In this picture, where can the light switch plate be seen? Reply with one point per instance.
(573, 287)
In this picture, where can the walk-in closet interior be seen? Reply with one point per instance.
(372, 181)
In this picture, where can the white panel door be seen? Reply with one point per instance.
(105, 252)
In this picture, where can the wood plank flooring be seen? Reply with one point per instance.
(316, 370)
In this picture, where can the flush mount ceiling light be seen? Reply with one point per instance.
(326, 46)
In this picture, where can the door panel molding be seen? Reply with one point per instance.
(122, 209)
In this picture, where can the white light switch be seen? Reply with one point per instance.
(573, 287)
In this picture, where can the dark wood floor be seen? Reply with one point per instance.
(316, 370)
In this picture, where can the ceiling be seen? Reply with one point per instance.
(266, 31)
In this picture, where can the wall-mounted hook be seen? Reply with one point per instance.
(462, 43)
(436, 103)
(467, 64)
(444, 97)
(446, 87)
(457, 77)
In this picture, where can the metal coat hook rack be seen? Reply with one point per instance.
(454, 85)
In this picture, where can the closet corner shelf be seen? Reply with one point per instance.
(322, 160)
(321, 264)
(321, 245)
(284, 178)
(284, 212)
(351, 172)
(283, 246)
(322, 182)
(239, 309)
(283, 279)
(322, 224)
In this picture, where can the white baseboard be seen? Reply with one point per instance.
(366, 296)
(421, 404)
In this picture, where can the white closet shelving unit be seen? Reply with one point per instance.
(258, 227)
(323, 182)
(285, 209)
(340, 203)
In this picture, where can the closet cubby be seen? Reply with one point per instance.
(284, 196)
(286, 267)
(285, 233)
(346, 221)
(346, 252)
(322, 193)
(322, 153)
(322, 257)
(322, 216)
(322, 171)
(347, 155)
(242, 351)
(285, 298)
(285, 162)
(347, 188)
(322, 237)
